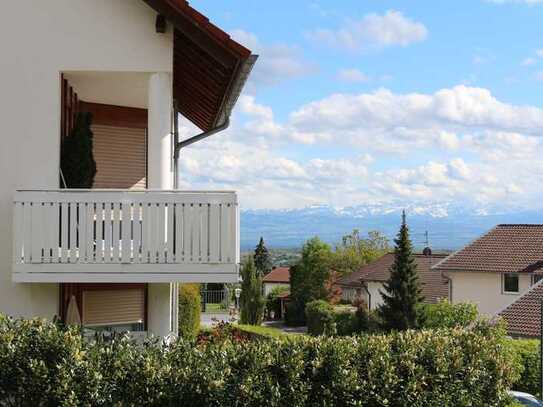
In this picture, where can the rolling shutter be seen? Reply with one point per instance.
(113, 307)
(121, 157)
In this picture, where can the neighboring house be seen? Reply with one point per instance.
(112, 258)
(523, 317)
(494, 270)
(278, 277)
(367, 282)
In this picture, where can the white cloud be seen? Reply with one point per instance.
(528, 61)
(373, 31)
(352, 75)
(458, 144)
(277, 62)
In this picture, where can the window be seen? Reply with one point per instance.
(536, 278)
(510, 283)
(115, 310)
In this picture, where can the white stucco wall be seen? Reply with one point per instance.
(485, 290)
(40, 39)
(376, 298)
(268, 287)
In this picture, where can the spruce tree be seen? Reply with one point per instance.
(252, 301)
(77, 160)
(402, 292)
(262, 258)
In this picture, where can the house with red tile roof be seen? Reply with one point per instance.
(111, 256)
(367, 282)
(278, 277)
(523, 317)
(496, 269)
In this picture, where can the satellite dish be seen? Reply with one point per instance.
(427, 251)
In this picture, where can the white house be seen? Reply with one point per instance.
(278, 277)
(494, 270)
(115, 252)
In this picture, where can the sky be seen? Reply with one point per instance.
(377, 101)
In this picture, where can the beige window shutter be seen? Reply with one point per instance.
(120, 155)
(113, 307)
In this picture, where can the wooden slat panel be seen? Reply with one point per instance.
(225, 233)
(204, 233)
(145, 233)
(179, 257)
(214, 233)
(73, 232)
(137, 232)
(108, 233)
(46, 222)
(90, 238)
(187, 233)
(82, 233)
(161, 238)
(116, 218)
(153, 233)
(126, 229)
(55, 232)
(169, 234)
(99, 248)
(64, 228)
(196, 233)
(36, 239)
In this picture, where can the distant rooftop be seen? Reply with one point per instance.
(434, 286)
(504, 249)
(278, 275)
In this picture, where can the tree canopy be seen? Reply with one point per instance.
(354, 251)
(262, 258)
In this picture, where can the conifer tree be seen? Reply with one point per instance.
(262, 258)
(252, 301)
(77, 160)
(402, 292)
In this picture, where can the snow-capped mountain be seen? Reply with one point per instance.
(449, 226)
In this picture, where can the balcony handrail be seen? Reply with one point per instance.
(76, 227)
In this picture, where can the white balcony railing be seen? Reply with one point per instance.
(125, 236)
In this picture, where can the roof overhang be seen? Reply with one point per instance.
(209, 68)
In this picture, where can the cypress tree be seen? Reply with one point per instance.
(262, 258)
(77, 160)
(252, 301)
(402, 292)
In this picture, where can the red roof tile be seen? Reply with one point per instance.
(278, 275)
(434, 286)
(523, 316)
(504, 249)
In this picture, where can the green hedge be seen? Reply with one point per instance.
(526, 352)
(43, 365)
(320, 318)
(189, 310)
(443, 314)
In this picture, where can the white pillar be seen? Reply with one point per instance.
(159, 138)
(162, 296)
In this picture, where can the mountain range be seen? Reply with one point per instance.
(449, 226)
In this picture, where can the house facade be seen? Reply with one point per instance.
(496, 269)
(368, 282)
(112, 255)
(278, 277)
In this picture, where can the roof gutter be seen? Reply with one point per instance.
(234, 90)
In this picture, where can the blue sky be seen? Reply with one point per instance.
(381, 101)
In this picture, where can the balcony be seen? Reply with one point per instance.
(115, 236)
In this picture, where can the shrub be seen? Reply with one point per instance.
(443, 314)
(345, 323)
(320, 318)
(44, 365)
(252, 301)
(189, 310)
(526, 352)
